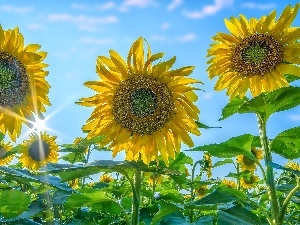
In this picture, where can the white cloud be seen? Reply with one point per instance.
(165, 26)
(208, 95)
(295, 117)
(187, 37)
(136, 3)
(184, 38)
(174, 4)
(96, 41)
(208, 10)
(104, 6)
(15, 9)
(34, 26)
(253, 5)
(83, 22)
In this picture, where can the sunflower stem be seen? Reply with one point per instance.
(269, 171)
(192, 189)
(287, 200)
(136, 198)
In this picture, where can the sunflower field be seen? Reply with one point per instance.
(146, 109)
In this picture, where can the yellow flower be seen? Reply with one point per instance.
(248, 163)
(201, 191)
(250, 182)
(4, 148)
(74, 183)
(207, 164)
(23, 88)
(229, 183)
(106, 178)
(142, 109)
(38, 151)
(292, 165)
(187, 172)
(256, 54)
(157, 178)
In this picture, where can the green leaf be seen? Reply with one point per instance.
(1, 136)
(13, 203)
(170, 195)
(277, 166)
(126, 202)
(202, 125)
(225, 161)
(240, 145)
(205, 220)
(94, 140)
(237, 215)
(13, 151)
(73, 157)
(232, 107)
(290, 78)
(165, 209)
(268, 103)
(25, 176)
(287, 143)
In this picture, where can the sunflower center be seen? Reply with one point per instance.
(250, 180)
(248, 161)
(13, 80)
(143, 104)
(257, 55)
(39, 150)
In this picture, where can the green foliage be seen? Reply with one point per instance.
(240, 145)
(287, 143)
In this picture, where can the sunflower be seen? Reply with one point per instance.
(77, 142)
(142, 109)
(23, 88)
(229, 183)
(106, 178)
(4, 148)
(292, 165)
(249, 182)
(201, 191)
(155, 178)
(256, 54)
(74, 183)
(247, 163)
(38, 150)
(207, 164)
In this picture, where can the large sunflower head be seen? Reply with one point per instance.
(256, 54)
(142, 108)
(23, 88)
(4, 148)
(39, 150)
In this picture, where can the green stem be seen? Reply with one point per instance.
(136, 198)
(269, 172)
(192, 189)
(287, 200)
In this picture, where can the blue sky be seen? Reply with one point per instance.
(75, 32)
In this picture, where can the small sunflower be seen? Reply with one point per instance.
(256, 54)
(106, 178)
(23, 88)
(187, 172)
(74, 183)
(249, 182)
(155, 178)
(142, 109)
(292, 165)
(207, 164)
(4, 148)
(229, 183)
(201, 191)
(248, 163)
(38, 151)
